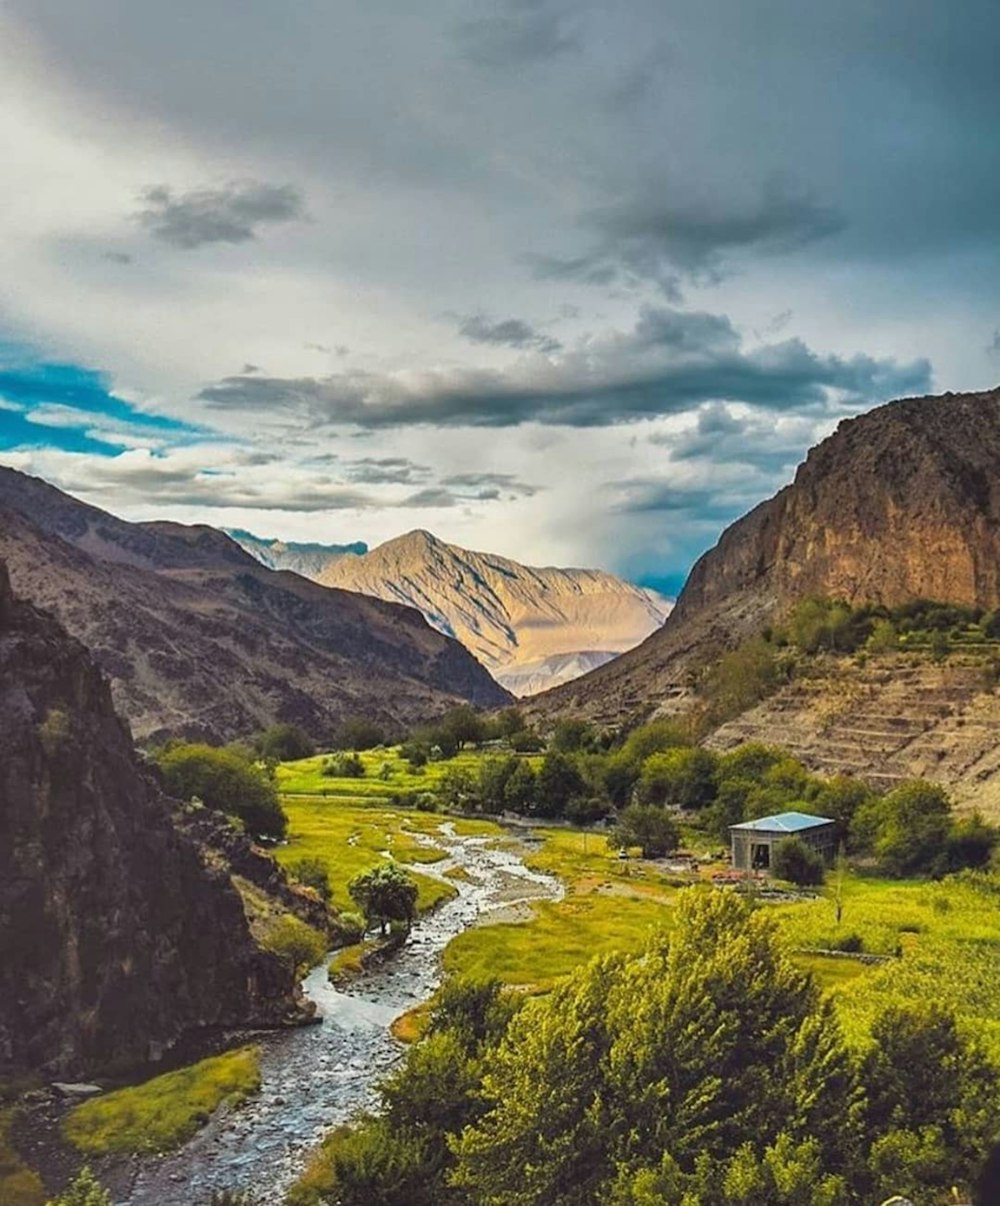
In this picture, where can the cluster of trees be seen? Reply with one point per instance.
(228, 779)
(708, 1069)
(386, 896)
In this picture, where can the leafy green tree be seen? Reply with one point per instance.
(416, 752)
(385, 894)
(458, 790)
(314, 873)
(907, 830)
(683, 778)
(750, 761)
(344, 766)
(494, 775)
(620, 775)
(223, 780)
(292, 938)
(465, 725)
(284, 743)
(729, 807)
(740, 678)
(357, 733)
(646, 826)
(883, 638)
(527, 741)
(509, 722)
(971, 844)
(822, 624)
(654, 738)
(83, 1190)
(559, 782)
(521, 788)
(797, 862)
(667, 1052)
(571, 735)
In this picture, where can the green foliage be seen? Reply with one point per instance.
(344, 766)
(464, 725)
(572, 735)
(83, 1190)
(527, 742)
(224, 780)
(741, 678)
(347, 929)
(291, 938)
(509, 723)
(682, 778)
(907, 829)
(384, 895)
(654, 738)
(55, 731)
(646, 826)
(19, 1185)
(521, 787)
(797, 862)
(357, 733)
(313, 873)
(559, 782)
(284, 743)
(162, 1112)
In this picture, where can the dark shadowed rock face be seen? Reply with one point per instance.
(116, 939)
(901, 503)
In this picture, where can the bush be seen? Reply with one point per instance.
(293, 939)
(797, 862)
(344, 766)
(346, 929)
(682, 778)
(284, 743)
(526, 741)
(224, 780)
(386, 894)
(83, 1190)
(313, 873)
(651, 829)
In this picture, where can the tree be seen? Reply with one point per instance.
(357, 733)
(464, 724)
(620, 777)
(521, 788)
(83, 1190)
(494, 775)
(971, 844)
(907, 830)
(224, 780)
(385, 894)
(284, 743)
(654, 738)
(571, 735)
(797, 862)
(344, 766)
(740, 678)
(458, 791)
(313, 873)
(292, 938)
(509, 722)
(683, 778)
(559, 781)
(646, 826)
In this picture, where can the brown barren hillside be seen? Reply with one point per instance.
(900, 503)
(199, 639)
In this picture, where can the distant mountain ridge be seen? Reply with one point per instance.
(306, 558)
(900, 503)
(532, 627)
(201, 640)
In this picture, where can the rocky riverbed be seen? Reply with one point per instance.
(319, 1076)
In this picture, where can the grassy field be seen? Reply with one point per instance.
(305, 777)
(161, 1113)
(352, 836)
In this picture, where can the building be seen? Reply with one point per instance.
(753, 842)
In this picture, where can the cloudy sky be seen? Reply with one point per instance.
(574, 282)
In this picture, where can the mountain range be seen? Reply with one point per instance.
(201, 640)
(531, 627)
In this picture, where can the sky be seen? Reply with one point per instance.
(577, 283)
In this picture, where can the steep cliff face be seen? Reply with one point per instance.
(901, 503)
(116, 938)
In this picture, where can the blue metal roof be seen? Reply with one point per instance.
(785, 822)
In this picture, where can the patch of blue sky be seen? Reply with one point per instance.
(72, 408)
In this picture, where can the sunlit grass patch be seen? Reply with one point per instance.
(584, 860)
(412, 1025)
(306, 775)
(161, 1113)
(560, 937)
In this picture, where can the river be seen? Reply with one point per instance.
(316, 1077)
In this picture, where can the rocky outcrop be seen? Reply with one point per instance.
(901, 503)
(200, 640)
(117, 936)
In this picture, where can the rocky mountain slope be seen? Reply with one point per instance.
(902, 502)
(199, 639)
(116, 936)
(896, 717)
(531, 627)
(307, 559)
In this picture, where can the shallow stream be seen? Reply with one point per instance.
(317, 1077)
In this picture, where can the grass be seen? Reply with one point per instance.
(560, 937)
(19, 1185)
(162, 1113)
(353, 837)
(305, 777)
(412, 1025)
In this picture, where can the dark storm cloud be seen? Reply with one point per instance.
(387, 470)
(231, 214)
(763, 439)
(508, 332)
(523, 32)
(672, 362)
(655, 237)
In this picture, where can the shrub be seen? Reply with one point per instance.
(313, 872)
(223, 779)
(652, 829)
(344, 766)
(83, 1190)
(293, 939)
(346, 929)
(797, 862)
(284, 743)
(385, 894)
